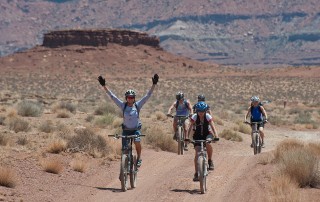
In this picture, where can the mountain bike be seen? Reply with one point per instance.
(180, 133)
(256, 137)
(128, 164)
(202, 163)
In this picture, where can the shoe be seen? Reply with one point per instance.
(185, 147)
(251, 145)
(211, 166)
(195, 177)
(139, 162)
(262, 145)
(174, 137)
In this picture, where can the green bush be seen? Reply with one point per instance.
(29, 108)
(303, 118)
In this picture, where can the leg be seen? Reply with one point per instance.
(138, 149)
(174, 128)
(262, 134)
(209, 151)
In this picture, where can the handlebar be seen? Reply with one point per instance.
(250, 123)
(178, 116)
(116, 136)
(206, 141)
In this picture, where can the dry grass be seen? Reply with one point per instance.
(244, 128)
(284, 189)
(22, 140)
(105, 120)
(266, 158)
(18, 124)
(231, 135)
(156, 137)
(57, 146)
(4, 140)
(7, 177)
(63, 113)
(79, 165)
(54, 166)
(29, 108)
(64, 106)
(117, 122)
(299, 161)
(160, 116)
(46, 126)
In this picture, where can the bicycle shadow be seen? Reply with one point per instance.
(194, 191)
(109, 189)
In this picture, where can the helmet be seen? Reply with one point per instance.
(130, 93)
(201, 107)
(255, 99)
(179, 95)
(201, 98)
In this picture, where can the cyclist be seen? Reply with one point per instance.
(204, 130)
(131, 109)
(258, 114)
(183, 108)
(201, 98)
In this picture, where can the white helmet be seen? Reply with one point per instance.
(255, 99)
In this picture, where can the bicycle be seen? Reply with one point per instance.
(202, 163)
(180, 133)
(128, 164)
(256, 137)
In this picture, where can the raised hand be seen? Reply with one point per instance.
(102, 81)
(155, 79)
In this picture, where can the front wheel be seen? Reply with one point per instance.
(202, 174)
(133, 172)
(259, 144)
(179, 137)
(124, 172)
(255, 143)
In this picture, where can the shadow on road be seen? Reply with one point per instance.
(109, 189)
(194, 191)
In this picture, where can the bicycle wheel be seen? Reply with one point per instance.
(180, 148)
(202, 174)
(182, 142)
(133, 172)
(124, 172)
(255, 143)
(259, 144)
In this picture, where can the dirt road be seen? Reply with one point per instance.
(166, 176)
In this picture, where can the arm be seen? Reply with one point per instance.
(215, 133)
(143, 100)
(116, 100)
(189, 107)
(171, 107)
(249, 111)
(190, 128)
(264, 112)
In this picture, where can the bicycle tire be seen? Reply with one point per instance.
(259, 147)
(202, 175)
(133, 172)
(179, 141)
(182, 142)
(124, 172)
(255, 144)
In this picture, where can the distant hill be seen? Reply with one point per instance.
(237, 32)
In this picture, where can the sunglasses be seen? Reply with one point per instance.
(130, 97)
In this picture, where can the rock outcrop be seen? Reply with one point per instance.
(98, 38)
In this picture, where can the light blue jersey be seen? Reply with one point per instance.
(182, 109)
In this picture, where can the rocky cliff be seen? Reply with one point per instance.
(98, 38)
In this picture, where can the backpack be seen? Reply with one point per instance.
(185, 103)
(125, 106)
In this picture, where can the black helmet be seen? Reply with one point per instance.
(179, 95)
(130, 93)
(201, 98)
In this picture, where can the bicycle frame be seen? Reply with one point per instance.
(128, 163)
(180, 132)
(256, 137)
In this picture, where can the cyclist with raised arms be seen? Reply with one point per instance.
(130, 108)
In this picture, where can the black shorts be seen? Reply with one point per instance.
(200, 137)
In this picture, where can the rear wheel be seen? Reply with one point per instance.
(133, 172)
(180, 148)
(124, 172)
(202, 174)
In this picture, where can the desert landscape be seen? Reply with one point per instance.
(55, 120)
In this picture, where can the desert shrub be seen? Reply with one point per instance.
(105, 120)
(57, 146)
(244, 128)
(65, 106)
(4, 140)
(156, 137)
(79, 165)
(29, 108)
(284, 189)
(18, 125)
(299, 161)
(89, 118)
(231, 135)
(52, 166)
(7, 177)
(303, 118)
(105, 108)
(86, 140)
(46, 126)
(276, 120)
(160, 116)
(22, 140)
(117, 122)
(63, 113)
(217, 120)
